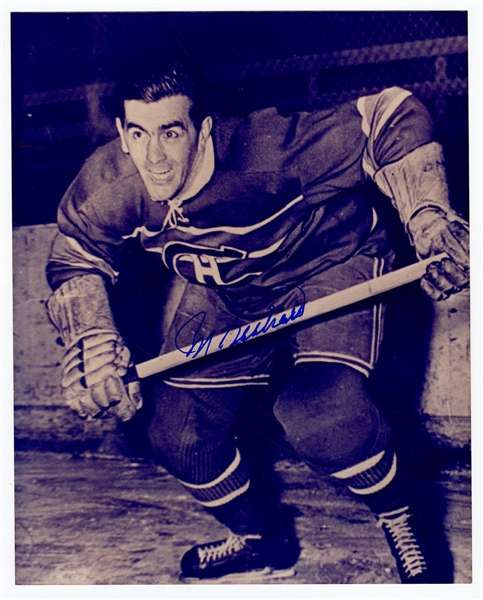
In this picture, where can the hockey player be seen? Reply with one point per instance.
(254, 215)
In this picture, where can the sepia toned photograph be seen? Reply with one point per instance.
(241, 298)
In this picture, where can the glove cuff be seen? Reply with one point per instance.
(81, 305)
(416, 182)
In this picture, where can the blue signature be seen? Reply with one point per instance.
(243, 333)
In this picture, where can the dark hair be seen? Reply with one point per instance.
(162, 80)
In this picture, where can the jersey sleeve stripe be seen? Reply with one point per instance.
(361, 107)
(88, 260)
(376, 111)
(399, 99)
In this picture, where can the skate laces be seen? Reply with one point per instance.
(405, 542)
(212, 552)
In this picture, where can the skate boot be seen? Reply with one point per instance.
(411, 546)
(238, 554)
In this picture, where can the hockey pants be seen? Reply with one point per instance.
(326, 413)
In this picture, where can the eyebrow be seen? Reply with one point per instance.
(161, 127)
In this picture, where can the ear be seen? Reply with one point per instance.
(205, 132)
(120, 130)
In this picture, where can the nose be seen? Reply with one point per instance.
(155, 151)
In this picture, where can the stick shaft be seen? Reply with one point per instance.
(315, 308)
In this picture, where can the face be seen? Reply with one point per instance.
(163, 143)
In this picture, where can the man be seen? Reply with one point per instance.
(254, 216)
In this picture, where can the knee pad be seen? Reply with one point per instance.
(329, 418)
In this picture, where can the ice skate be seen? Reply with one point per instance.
(238, 559)
(412, 547)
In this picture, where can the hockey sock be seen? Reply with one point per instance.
(244, 515)
(377, 481)
(231, 499)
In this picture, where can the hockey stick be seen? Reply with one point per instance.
(215, 343)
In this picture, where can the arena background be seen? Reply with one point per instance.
(63, 68)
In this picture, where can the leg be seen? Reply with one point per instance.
(334, 426)
(191, 434)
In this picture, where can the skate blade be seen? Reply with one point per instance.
(262, 576)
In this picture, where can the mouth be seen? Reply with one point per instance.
(160, 176)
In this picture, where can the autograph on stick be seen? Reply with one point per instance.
(238, 335)
(275, 322)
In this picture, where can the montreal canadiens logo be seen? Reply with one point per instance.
(208, 266)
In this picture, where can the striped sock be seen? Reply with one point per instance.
(231, 499)
(377, 481)
(233, 482)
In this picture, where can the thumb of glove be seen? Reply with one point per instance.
(131, 401)
(134, 393)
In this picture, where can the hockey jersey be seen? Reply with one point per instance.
(274, 210)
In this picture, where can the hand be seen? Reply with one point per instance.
(92, 371)
(433, 231)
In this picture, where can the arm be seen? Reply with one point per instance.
(96, 357)
(415, 180)
(387, 137)
(82, 264)
(102, 207)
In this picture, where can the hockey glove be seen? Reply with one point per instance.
(96, 357)
(417, 185)
(432, 231)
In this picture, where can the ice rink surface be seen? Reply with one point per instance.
(112, 521)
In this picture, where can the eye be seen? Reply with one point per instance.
(136, 134)
(171, 134)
